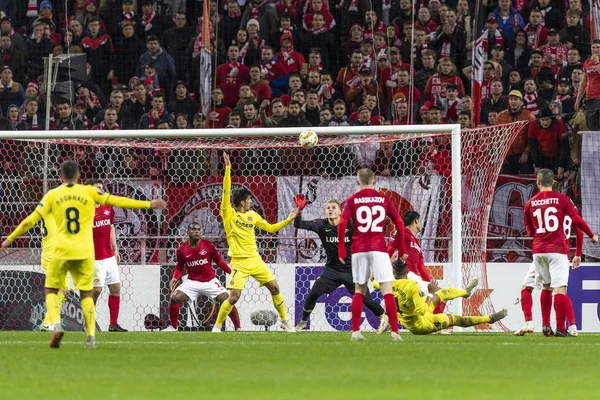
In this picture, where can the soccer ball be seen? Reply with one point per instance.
(308, 139)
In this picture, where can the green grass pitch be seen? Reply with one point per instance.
(308, 365)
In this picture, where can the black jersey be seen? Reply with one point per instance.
(329, 240)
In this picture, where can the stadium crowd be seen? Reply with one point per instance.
(291, 63)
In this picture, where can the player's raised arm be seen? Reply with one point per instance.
(123, 202)
(276, 227)
(43, 208)
(301, 202)
(226, 210)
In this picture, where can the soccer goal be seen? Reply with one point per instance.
(444, 173)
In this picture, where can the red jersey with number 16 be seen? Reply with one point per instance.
(549, 218)
(198, 261)
(103, 221)
(368, 209)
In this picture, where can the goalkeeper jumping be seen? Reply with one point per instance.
(415, 312)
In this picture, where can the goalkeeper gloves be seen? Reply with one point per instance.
(300, 201)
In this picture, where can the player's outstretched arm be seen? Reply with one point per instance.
(22, 229)
(274, 228)
(226, 211)
(123, 202)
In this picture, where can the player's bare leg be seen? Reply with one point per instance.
(279, 304)
(226, 307)
(527, 306)
(114, 305)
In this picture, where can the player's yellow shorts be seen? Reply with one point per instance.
(428, 323)
(242, 268)
(46, 265)
(82, 272)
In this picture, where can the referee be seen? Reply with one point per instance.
(590, 86)
(335, 273)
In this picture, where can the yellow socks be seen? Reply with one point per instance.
(280, 306)
(451, 294)
(52, 309)
(465, 322)
(60, 300)
(89, 314)
(223, 312)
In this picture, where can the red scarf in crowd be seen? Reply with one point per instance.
(558, 52)
(102, 126)
(497, 36)
(530, 103)
(128, 15)
(146, 18)
(34, 121)
(234, 13)
(533, 35)
(321, 90)
(311, 68)
(245, 47)
(265, 67)
(152, 122)
(563, 97)
(32, 8)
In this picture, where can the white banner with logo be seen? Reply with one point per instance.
(590, 187)
(420, 193)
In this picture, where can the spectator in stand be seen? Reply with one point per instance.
(30, 120)
(295, 117)
(352, 45)
(565, 99)
(234, 120)
(274, 71)
(266, 16)
(514, 82)
(153, 23)
(388, 82)
(38, 46)
(128, 15)
(231, 22)
(464, 119)
(292, 60)
(246, 97)
(150, 119)
(405, 15)
(314, 80)
(533, 103)
(435, 115)
(449, 39)
(372, 25)
(12, 58)
(286, 27)
(496, 102)
(446, 73)
(326, 91)
(537, 33)
(347, 76)
(163, 63)
(519, 54)
(371, 103)
(11, 92)
(388, 161)
(339, 117)
(552, 14)
(77, 29)
(277, 113)
(576, 78)
(403, 76)
(311, 109)
(590, 87)
(82, 109)
(575, 36)
(498, 59)
(416, 51)
(555, 53)
(323, 41)
(509, 20)
(99, 50)
(183, 103)
(218, 113)
(251, 116)
(141, 103)
(91, 103)
(425, 22)
(324, 115)
(364, 116)
(18, 41)
(250, 49)
(424, 113)
(231, 75)
(67, 119)
(109, 122)
(317, 6)
(400, 116)
(261, 90)
(284, 7)
(182, 122)
(549, 143)
(12, 114)
(128, 50)
(537, 64)
(175, 42)
(450, 105)
(361, 88)
(422, 77)
(517, 160)
(573, 61)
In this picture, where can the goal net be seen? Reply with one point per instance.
(415, 170)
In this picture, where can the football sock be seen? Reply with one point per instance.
(465, 322)
(546, 305)
(306, 314)
(114, 303)
(451, 294)
(560, 309)
(439, 309)
(89, 314)
(280, 306)
(527, 304)
(52, 308)
(392, 311)
(223, 312)
(174, 314)
(373, 305)
(356, 307)
(235, 318)
(61, 300)
(570, 312)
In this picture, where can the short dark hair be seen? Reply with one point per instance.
(400, 268)
(294, 103)
(240, 195)
(410, 217)
(158, 95)
(152, 38)
(94, 181)
(69, 170)
(545, 177)
(93, 19)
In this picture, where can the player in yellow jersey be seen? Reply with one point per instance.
(415, 311)
(48, 228)
(240, 223)
(73, 207)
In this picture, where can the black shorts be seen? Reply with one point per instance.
(333, 278)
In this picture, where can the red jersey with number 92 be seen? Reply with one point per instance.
(368, 209)
(549, 218)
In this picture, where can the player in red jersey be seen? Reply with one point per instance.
(106, 270)
(549, 217)
(368, 209)
(531, 282)
(196, 256)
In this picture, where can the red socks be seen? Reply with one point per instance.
(527, 304)
(114, 303)
(570, 312)
(357, 307)
(391, 311)
(439, 309)
(235, 318)
(174, 314)
(561, 304)
(546, 305)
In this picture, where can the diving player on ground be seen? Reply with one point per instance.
(197, 255)
(335, 273)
